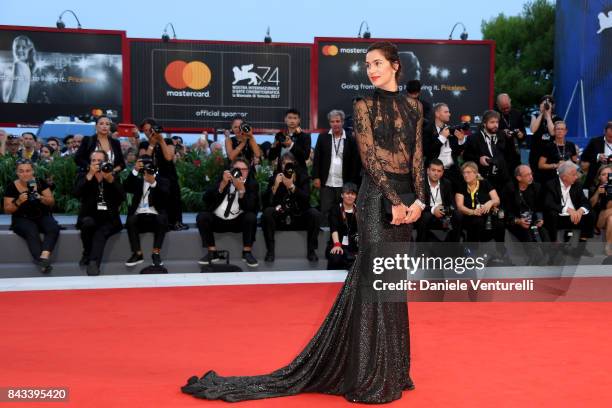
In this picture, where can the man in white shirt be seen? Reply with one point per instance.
(147, 213)
(566, 205)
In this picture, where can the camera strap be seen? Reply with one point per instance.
(231, 196)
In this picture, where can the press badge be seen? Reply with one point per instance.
(102, 206)
(345, 240)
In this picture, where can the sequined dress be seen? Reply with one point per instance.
(362, 349)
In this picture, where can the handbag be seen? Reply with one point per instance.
(387, 206)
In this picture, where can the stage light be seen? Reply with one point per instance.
(267, 38)
(464, 34)
(366, 33)
(165, 37)
(60, 23)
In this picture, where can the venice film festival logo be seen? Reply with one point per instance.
(258, 82)
(188, 79)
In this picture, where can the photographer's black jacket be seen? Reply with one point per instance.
(339, 225)
(248, 203)
(300, 150)
(553, 199)
(446, 192)
(595, 147)
(476, 146)
(301, 196)
(87, 192)
(432, 146)
(158, 196)
(89, 145)
(513, 204)
(351, 161)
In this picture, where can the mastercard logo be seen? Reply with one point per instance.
(330, 50)
(180, 75)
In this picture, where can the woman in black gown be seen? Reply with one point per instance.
(362, 349)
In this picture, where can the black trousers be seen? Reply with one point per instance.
(330, 196)
(30, 230)
(429, 222)
(308, 221)
(175, 205)
(524, 235)
(209, 223)
(94, 234)
(139, 223)
(553, 222)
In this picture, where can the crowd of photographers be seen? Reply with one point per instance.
(477, 186)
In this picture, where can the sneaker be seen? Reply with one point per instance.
(45, 265)
(135, 259)
(269, 256)
(156, 260)
(312, 256)
(93, 269)
(210, 258)
(247, 256)
(179, 226)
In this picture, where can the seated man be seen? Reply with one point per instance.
(231, 206)
(147, 213)
(288, 207)
(343, 240)
(523, 203)
(566, 206)
(101, 195)
(440, 213)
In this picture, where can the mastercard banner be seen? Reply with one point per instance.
(199, 84)
(455, 72)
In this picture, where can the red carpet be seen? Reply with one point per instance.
(136, 347)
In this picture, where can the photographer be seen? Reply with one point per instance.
(601, 201)
(147, 213)
(101, 195)
(565, 205)
(344, 236)
(231, 205)
(336, 161)
(291, 140)
(523, 203)
(103, 141)
(487, 148)
(446, 144)
(243, 143)
(556, 152)
(440, 213)
(288, 207)
(597, 153)
(30, 201)
(478, 202)
(542, 126)
(163, 151)
(511, 125)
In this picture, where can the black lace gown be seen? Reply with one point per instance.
(362, 349)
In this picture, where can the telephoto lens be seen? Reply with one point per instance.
(106, 167)
(288, 170)
(235, 172)
(245, 127)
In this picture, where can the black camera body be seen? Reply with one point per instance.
(245, 127)
(447, 210)
(32, 194)
(157, 129)
(464, 127)
(533, 219)
(235, 172)
(148, 167)
(493, 167)
(289, 170)
(106, 167)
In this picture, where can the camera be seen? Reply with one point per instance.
(106, 167)
(148, 167)
(235, 172)
(464, 127)
(245, 127)
(547, 104)
(289, 170)
(493, 165)
(157, 129)
(447, 210)
(32, 194)
(533, 219)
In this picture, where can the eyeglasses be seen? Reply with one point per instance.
(22, 161)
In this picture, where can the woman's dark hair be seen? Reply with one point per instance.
(389, 50)
(51, 149)
(103, 117)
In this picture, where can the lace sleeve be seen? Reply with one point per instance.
(367, 151)
(417, 159)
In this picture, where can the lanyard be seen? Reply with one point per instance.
(561, 156)
(435, 198)
(564, 197)
(474, 194)
(336, 146)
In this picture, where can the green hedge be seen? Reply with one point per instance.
(196, 172)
